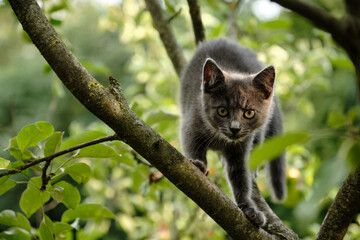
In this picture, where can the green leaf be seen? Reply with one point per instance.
(277, 24)
(15, 234)
(4, 179)
(12, 143)
(58, 7)
(10, 218)
(18, 155)
(53, 144)
(98, 151)
(46, 229)
(353, 155)
(81, 138)
(144, 188)
(55, 22)
(47, 68)
(23, 222)
(26, 37)
(96, 67)
(17, 164)
(32, 198)
(343, 62)
(57, 89)
(170, 7)
(71, 195)
(160, 116)
(58, 194)
(31, 135)
(4, 163)
(30, 201)
(6, 185)
(274, 146)
(60, 227)
(86, 211)
(138, 179)
(336, 119)
(80, 172)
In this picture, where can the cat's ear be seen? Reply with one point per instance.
(212, 75)
(264, 81)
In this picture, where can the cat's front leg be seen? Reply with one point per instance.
(194, 147)
(200, 165)
(240, 181)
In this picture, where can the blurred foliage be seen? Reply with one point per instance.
(315, 85)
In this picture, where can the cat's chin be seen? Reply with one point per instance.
(236, 138)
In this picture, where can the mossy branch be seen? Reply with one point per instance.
(343, 209)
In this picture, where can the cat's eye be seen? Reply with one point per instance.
(223, 112)
(249, 114)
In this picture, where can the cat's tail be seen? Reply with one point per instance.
(276, 170)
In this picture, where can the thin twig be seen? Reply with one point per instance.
(233, 10)
(45, 178)
(55, 155)
(139, 160)
(174, 15)
(167, 36)
(198, 26)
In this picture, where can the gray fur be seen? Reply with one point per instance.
(221, 75)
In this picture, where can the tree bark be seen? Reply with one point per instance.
(109, 105)
(167, 36)
(343, 210)
(198, 26)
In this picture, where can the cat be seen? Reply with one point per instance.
(228, 105)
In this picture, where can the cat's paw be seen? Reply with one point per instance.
(201, 166)
(255, 216)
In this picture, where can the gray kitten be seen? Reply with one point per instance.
(227, 105)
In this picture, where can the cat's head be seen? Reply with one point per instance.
(236, 104)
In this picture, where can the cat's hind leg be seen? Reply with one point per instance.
(240, 180)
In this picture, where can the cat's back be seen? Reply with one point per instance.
(228, 54)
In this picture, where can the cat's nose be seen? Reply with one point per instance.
(234, 130)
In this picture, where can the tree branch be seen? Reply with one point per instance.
(353, 8)
(49, 158)
(317, 16)
(345, 32)
(44, 177)
(162, 25)
(177, 13)
(274, 225)
(233, 10)
(343, 209)
(198, 26)
(108, 104)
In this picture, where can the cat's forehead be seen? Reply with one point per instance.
(238, 76)
(241, 93)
